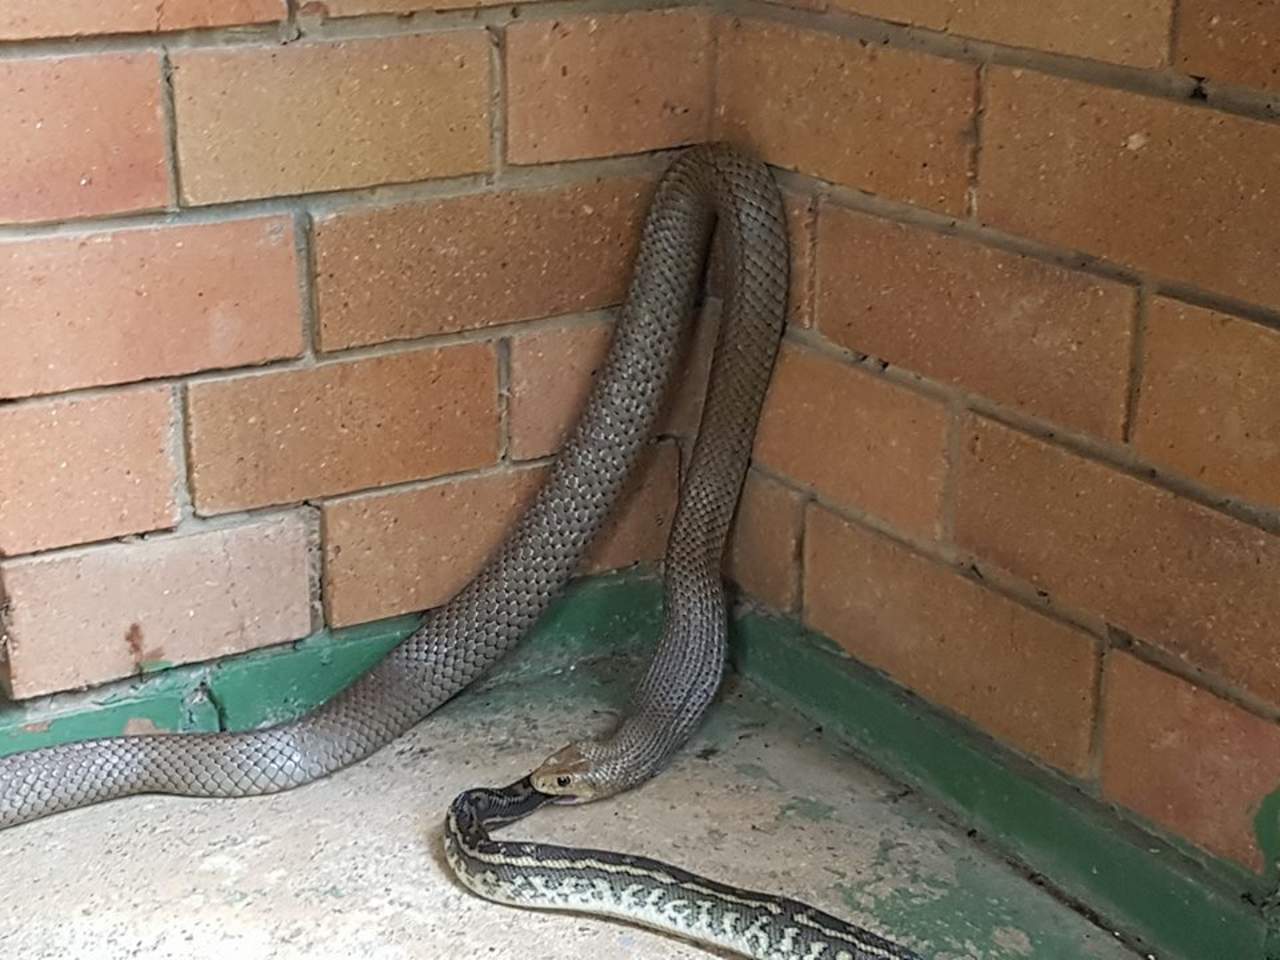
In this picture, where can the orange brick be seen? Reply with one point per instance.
(588, 87)
(551, 374)
(1047, 341)
(892, 122)
(134, 304)
(409, 550)
(1172, 189)
(258, 122)
(88, 616)
(1210, 392)
(1134, 32)
(27, 19)
(85, 469)
(404, 551)
(1175, 574)
(353, 8)
(637, 530)
(83, 136)
(1188, 761)
(293, 435)
(426, 268)
(1022, 677)
(763, 553)
(856, 440)
(1230, 41)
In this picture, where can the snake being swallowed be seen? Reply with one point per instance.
(709, 188)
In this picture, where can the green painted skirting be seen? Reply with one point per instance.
(1179, 905)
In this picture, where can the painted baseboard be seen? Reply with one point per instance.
(1178, 905)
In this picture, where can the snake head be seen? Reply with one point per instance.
(567, 775)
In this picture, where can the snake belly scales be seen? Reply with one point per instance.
(712, 189)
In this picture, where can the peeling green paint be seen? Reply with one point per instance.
(1179, 907)
(808, 809)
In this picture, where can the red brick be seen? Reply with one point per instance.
(134, 304)
(1188, 761)
(637, 530)
(1175, 574)
(1164, 187)
(85, 469)
(892, 122)
(1022, 677)
(856, 440)
(409, 550)
(763, 554)
(551, 375)
(83, 136)
(588, 87)
(1039, 338)
(1134, 32)
(353, 8)
(472, 261)
(1210, 392)
(298, 434)
(27, 19)
(88, 616)
(403, 551)
(263, 121)
(1230, 41)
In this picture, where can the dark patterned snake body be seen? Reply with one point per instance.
(709, 188)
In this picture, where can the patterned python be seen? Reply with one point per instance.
(456, 643)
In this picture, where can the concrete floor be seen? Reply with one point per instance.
(352, 866)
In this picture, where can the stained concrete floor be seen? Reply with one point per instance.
(352, 866)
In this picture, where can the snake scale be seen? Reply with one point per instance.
(711, 189)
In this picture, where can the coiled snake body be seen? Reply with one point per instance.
(457, 642)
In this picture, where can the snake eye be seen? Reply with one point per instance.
(563, 780)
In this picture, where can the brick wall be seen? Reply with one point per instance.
(306, 296)
(296, 305)
(1022, 449)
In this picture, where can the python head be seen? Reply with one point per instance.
(570, 776)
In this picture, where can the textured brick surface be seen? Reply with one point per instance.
(1182, 192)
(85, 469)
(426, 268)
(892, 122)
(258, 122)
(408, 550)
(1040, 338)
(353, 8)
(764, 546)
(83, 136)
(551, 373)
(134, 304)
(25, 19)
(1230, 41)
(638, 529)
(1210, 402)
(1134, 32)
(397, 552)
(856, 440)
(288, 436)
(1191, 762)
(88, 616)
(592, 86)
(1177, 575)
(1024, 678)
